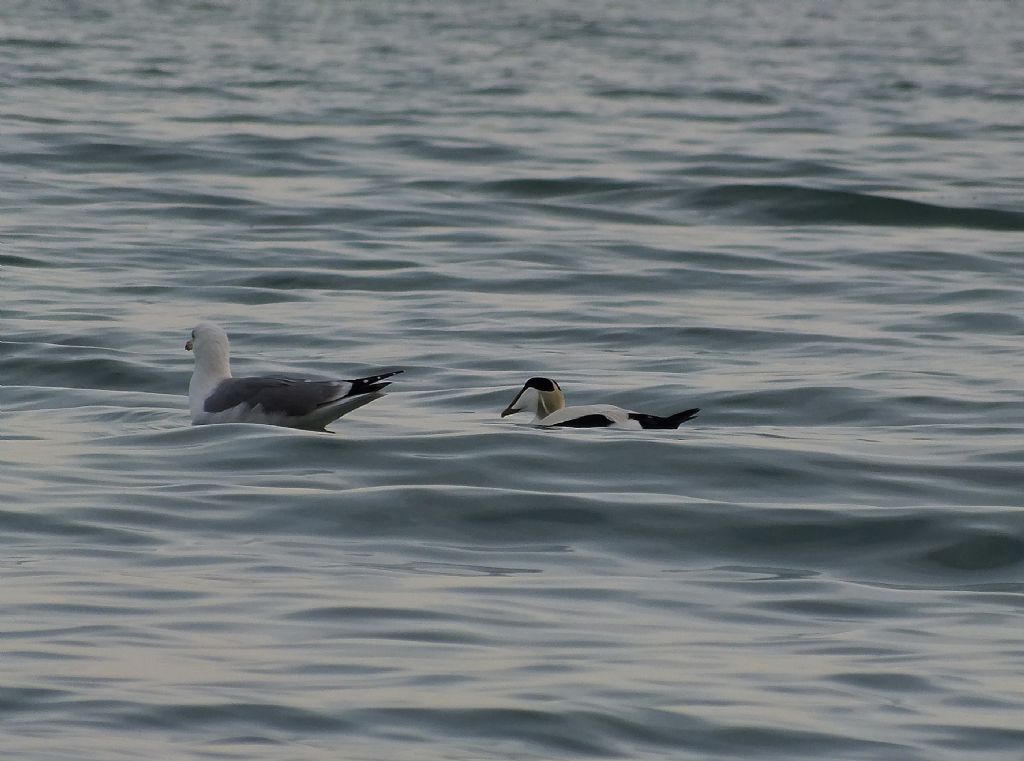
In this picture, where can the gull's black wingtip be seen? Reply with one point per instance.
(371, 383)
(376, 378)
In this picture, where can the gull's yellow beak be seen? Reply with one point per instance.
(188, 345)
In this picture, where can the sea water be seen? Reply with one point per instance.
(802, 217)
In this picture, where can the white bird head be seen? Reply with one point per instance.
(210, 345)
(542, 396)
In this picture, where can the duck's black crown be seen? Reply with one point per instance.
(541, 384)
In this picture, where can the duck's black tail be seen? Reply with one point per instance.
(669, 421)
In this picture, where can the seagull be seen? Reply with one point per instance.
(545, 399)
(215, 397)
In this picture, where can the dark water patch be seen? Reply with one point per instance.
(175, 198)
(844, 404)
(976, 738)
(670, 93)
(566, 516)
(886, 681)
(832, 610)
(461, 570)
(748, 167)
(973, 296)
(759, 97)
(945, 130)
(800, 405)
(153, 70)
(164, 515)
(234, 744)
(281, 220)
(501, 91)
(65, 82)
(253, 119)
(780, 742)
(88, 155)
(368, 614)
(64, 633)
(448, 513)
(775, 339)
(248, 295)
(981, 550)
(789, 205)
(14, 260)
(82, 609)
(25, 523)
(142, 290)
(17, 698)
(288, 279)
(221, 458)
(736, 262)
(218, 95)
(229, 219)
(969, 323)
(454, 150)
(47, 398)
(545, 188)
(768, 573)
(600, 734)
(591, 212)
(55, 365)
(655, 526)
(428, 636)
(576, 732)
(268, 83)
(283, 287)
(265, 145)
(928, 260)
(271, 716)
(39, 43)
(31, 119)
(793, 533)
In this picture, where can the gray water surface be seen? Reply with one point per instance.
(802, 217)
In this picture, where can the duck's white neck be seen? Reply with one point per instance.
(543, 402)
(549, 401)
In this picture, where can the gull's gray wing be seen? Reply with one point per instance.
(293, 397)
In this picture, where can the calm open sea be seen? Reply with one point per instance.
(803, 217)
